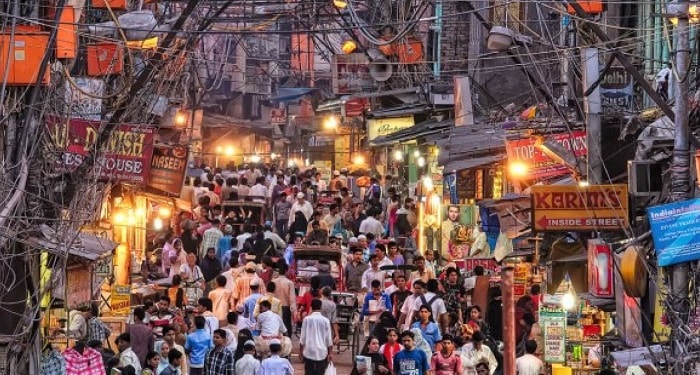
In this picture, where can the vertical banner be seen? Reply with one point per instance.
(553, 324)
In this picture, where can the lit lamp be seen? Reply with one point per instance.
(255, 159)
(359, 159)
(273, 156)
(420, 162)
(428, 183)
(340, 4)
(348, 47)
(398, 155)
(568, 301)
(180, 118)
(230, 151)
(517, 169)
(331, 123)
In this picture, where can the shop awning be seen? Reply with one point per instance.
(472, 162)
(84, 245)
(417, 131)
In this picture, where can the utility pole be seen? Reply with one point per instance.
(680, 175)
(592, 108)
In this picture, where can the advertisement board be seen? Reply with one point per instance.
(457, 230)
(121, 299)
(125, 157)
(384, 126)
(168, 167)
(350, 74)
(553, 324)
(540, 165)
(579, 208)
(676, 232)
(616, 90)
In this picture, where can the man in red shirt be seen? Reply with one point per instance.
(446, 361)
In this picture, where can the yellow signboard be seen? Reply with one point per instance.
(121, 299)
(579, 208)
(385, 126)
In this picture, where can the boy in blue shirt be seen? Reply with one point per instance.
(197, 345)
(410, 361)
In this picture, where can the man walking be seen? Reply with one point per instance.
(276, 365)
(316, 342)
(219, 361)
(197, 344)
(410, 361)
(248, 364)
(285, 292)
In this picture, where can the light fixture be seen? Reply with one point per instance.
(331, 122)
(180, 118)
(164, 211)
(230, 151)
(219, 149)
(273, 156)
(340, 4)
(517, 169)
(157, 223)
(568, 301)
(140, 212)
(119, 218)
(421, 161)
(291, 163)
(255, 158)
(428, 183)
(359, 159)
(583, 183)
(500, 38)
(398, 155)
(348, 47)
(131, 220)
(416, 153)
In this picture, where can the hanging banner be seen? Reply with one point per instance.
(125, 157)
(553, 324)
(168, 167)
(540, 165)
(676, 232)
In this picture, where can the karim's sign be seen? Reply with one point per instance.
(385, 126)
(125, 157)
(576, 208)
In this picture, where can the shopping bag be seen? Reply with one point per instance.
(330, 370)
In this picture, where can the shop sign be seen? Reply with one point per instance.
(168, 168)
(125, 157)
(104, 267)
(278, 116)
(553, 324)
(579, 208)
(356, 107)
(676, 231)
(121, 299)
(385, 126)
(616, 90)
(540, 165)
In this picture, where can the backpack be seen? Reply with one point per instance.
(425, 302)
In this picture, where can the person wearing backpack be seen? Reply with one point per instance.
(430, 298)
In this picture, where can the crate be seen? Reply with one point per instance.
(23, 57)
(114, 4)
(104, 58)
(67, 36)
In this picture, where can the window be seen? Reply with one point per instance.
(511, 10)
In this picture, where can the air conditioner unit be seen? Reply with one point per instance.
(644, 178)
(442, 94)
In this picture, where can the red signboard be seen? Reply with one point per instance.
(168, 167)
(125, 157)
(541, 165)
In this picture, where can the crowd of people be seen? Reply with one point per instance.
(232, 305)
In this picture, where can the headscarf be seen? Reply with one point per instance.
(243, 336)
(421, 344)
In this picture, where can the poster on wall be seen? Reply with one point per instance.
(553, 324)
(457, 228)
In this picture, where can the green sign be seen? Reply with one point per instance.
(553, 325)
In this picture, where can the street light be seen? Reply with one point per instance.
(421, 161)
(180, 118)
(517, 169)
(331, 123)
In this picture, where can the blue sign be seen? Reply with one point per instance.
(676, 231)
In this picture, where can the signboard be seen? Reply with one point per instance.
(553, 324)
(540, 165)
(579, 208)
(600, 269)
(125, 157)
(78, 288)
(278, 116)
(385, 126)
(356, 107)
(121, 299)
(676, 232)
(104, 267)
(168, 167)
(616, 90)
(350, 74)
(85, 98)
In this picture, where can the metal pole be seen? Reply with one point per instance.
(438, 39)
(592, 108)
(680, 176)
(507, 298)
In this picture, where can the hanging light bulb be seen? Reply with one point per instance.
(348, 47)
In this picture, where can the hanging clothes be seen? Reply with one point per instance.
(89, 362)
